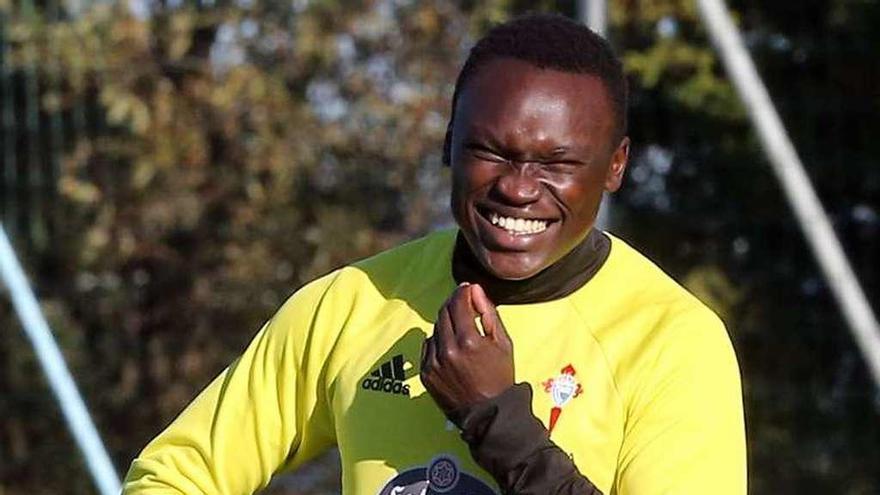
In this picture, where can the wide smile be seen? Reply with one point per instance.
(514, 226)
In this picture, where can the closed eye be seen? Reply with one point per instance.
(561, 162)
(561, 166)
(482, 152)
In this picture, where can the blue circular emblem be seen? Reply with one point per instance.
(441, 476)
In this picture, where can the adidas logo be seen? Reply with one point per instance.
(388, 378)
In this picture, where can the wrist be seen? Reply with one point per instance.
(502, 432)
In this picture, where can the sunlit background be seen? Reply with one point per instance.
(173, 170)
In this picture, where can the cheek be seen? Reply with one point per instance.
(462, 193)
(460, 180)
(471, 180)
(587, 203)
(579, 196)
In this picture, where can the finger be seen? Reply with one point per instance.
(429, 362)
(444, 335)
(432, 353)
(489, 318)
(423, 359)
(481, 301)
(462, 312)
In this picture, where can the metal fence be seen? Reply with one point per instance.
(42, 120)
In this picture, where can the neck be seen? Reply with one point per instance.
(558, 280)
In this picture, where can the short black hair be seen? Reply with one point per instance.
(548, 41)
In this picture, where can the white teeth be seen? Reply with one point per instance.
(519, 226)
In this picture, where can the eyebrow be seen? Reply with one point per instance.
(478, 134)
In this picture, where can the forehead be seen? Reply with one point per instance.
(507, 93)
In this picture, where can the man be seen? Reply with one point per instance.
(524, 353)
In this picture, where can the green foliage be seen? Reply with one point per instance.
(217, 158)
(666, 50)
(238, 153)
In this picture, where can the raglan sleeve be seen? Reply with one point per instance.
(685, 431)
(267, 410)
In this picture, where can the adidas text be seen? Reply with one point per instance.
(385, 385)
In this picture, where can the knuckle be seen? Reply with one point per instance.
(469, 344)
(448, 354)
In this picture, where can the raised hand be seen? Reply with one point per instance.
(461, 366)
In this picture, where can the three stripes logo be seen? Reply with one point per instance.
(388, 378)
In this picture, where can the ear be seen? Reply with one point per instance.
(619, 159)
(446, 159)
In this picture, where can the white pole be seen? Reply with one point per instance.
(594, 13)
(72, 406)
(795, 183)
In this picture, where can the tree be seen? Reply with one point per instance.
(219, 157)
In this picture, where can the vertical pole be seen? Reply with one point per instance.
(10, 164)
(796, 185)
(35, 171)
(594, 13)
(56, 126)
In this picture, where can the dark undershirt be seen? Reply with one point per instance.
(504, 436)
(558, 280)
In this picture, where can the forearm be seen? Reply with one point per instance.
(510, 443)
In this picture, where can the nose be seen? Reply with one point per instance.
(518, 185)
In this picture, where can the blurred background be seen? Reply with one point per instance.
(173, 169)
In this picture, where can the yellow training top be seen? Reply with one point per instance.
(639, 375)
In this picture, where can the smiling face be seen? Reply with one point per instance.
(532, 150)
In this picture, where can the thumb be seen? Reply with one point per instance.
(489, 317)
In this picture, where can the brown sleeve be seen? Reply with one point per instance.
(509, 442)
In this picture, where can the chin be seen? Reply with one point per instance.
(511, 266)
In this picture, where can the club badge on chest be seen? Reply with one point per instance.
(562, 389)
